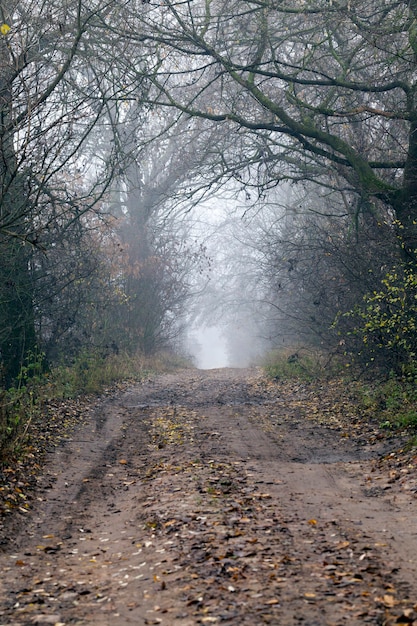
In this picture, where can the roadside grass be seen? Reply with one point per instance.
(391, 403)
(43, 411)
(301, 363)
(90, 374)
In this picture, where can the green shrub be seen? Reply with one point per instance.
(407, 420)
(386, 324)
(393, 402)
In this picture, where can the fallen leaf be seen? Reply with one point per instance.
(389, 600)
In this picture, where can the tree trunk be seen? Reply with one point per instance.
(17, 330)
(405, 202)
(17, 335)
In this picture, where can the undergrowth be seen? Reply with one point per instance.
(301, 363)
(391, 402)
(89, 374)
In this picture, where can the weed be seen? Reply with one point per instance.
(407, 420)
(411, 444)
(292, 363)
(90, 373)
(394, 401)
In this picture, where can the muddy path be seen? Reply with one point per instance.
(214, 497)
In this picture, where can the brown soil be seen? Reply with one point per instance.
(215, 497)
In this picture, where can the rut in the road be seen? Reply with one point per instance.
(211, 497)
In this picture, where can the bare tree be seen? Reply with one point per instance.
(316, 262)
(323, 89)
(164, 156)
(53, 95)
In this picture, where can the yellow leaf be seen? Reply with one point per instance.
(4, 29)
(389, 600)
(312, 522)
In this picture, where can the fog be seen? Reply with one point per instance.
(225, 316)
(207, 346)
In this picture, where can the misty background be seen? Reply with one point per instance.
(215, 180)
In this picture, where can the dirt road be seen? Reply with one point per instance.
(214, 497)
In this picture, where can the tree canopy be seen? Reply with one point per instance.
(135, 107)
(323, 90)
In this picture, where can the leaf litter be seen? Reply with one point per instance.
(180, 523)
